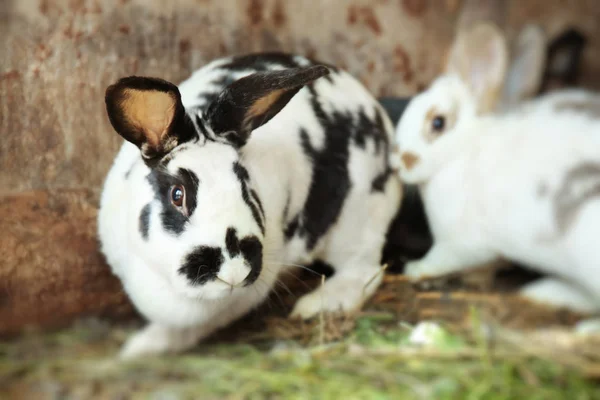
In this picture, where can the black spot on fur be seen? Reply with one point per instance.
(128, 172)
(201, 126)
(367, 129)
(145, 221)
(232, 243)
(218, 85)
(330, 177)
(250, 248)
(252, 251)
(291, 228)
(172, 219)
(318, 267)
(286, 209)
(202, 265)
(258, 202)
(243, 177)
(378, 184)
(235, 140)
(331, 182)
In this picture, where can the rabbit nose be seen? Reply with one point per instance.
(409, 159)
(202, 264)
(233, 273)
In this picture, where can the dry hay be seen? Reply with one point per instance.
(513, 327)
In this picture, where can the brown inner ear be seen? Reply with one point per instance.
(262, 105)
(480, 50)
(150, 111)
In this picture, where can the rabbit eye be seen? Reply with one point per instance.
(177, 195)
(438, 123)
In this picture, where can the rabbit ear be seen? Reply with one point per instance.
(526, 71)
(253, 100)
(148, 112)
(479, 57)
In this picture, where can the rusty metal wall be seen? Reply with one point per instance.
(58, 56)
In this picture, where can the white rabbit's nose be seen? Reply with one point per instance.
(409, 159)
(233, 272)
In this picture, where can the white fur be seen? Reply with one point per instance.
(488, 185)
(181, 315)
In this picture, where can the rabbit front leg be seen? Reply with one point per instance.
(157, 339)
(560, 293)
(354, 254)
(346, 291)
(445, 258)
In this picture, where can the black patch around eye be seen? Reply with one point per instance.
(171, 218)
(202, 265)
(251, 249)
(243, 177)
(232, 242)
(144, 225)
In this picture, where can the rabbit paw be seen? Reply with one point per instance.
(418, 270)
(340, 293)
(589, 326)
(156, 339)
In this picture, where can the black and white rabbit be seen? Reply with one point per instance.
(253, 164)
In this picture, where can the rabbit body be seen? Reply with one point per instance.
(523, 184)
(526, 187)
(312, 182)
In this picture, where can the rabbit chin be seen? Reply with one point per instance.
(418, 174)
(213, 290)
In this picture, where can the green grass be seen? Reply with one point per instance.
(374, 360)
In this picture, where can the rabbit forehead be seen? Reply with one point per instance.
(209, 159)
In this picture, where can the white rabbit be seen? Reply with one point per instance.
(522, 185)
(254, 164)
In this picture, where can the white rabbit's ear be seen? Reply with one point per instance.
(526, 71)
(479, 56)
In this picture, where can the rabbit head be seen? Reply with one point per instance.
(203, 226)
(435, 124)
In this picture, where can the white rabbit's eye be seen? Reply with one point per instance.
(438, 123)
(177, 195)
